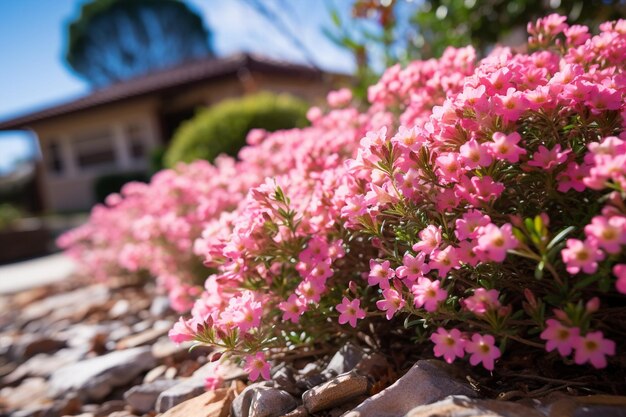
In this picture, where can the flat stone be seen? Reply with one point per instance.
(69, 304)
(95, 378)
(461, 406)
(143, 338)
(210, 404)
(44, 365)
(165, 348)
(143, 398)
(426, 382)
(182, 391)
(336, 391)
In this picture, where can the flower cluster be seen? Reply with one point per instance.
(475, 204)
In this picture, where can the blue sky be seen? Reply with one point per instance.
(34, 75)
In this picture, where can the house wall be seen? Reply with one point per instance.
(72, 145)
(66, 182)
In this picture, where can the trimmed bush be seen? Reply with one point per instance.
(223, 127)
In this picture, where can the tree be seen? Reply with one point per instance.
(114, 40)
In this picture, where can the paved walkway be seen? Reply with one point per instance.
(35, 272)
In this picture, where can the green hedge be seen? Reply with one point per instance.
(112, 183)
(223, 128)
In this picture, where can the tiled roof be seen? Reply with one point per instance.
(161, 81)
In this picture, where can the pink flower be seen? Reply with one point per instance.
(505, 146)
(467, 226)
(482, 349)
(293, 308)
(619, 271)
(579, 255)
(350, 311)
(609, 234)
(549, 159)
(594, 348)
(560, 337)
(257, 365)
(428, 293)
(391, 303)
(444, 260)
(495, 241)
(380, 274)
(450, 345)
(182, 331)
(430, 239)
(212, 382)
(475, 155)
(482, 301)
(412, 267)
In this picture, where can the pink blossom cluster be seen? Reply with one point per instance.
(467, 198)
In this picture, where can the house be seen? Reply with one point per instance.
(115, 129)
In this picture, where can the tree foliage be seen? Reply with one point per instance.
(114, 40)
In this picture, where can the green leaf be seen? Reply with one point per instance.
(539, 270)
(560, 236)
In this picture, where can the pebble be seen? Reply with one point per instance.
(336, 391)
(262, 400)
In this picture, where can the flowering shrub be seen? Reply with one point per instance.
(475, 205)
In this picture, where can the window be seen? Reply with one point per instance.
(135, 134)
(95, 149)
(55, 161)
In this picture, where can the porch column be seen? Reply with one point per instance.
(68, 157)
(122, 154)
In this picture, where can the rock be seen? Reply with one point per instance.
(299, 411)
(344, 360)
(43, 365)
(143, 338)
(335, 392)
(96, 377)
(182, 391)
(587, 406)
(165, 348)
(160, 306)
(374, 366)
(32, 392)
(119, 309)
(154, 374)
(143, 398)
(31, 344)
(284, 379)
(426, 382)
(210, 404)
(461, 406)
(110, 407)
(262, 400)
(69, 304)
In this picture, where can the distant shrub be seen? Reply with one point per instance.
(9, 214)
(223, 127)
(112, 183)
